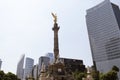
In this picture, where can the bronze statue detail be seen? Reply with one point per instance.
(55, 17)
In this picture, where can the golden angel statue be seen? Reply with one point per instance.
(55, 17)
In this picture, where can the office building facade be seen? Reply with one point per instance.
(45, 60)
(29, 63)
(51, 56)
(103, 23)
(20, 70)
(0, 63)
(72, 65)
(35, 72)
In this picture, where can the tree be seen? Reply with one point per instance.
(2, 75)
(95, 75)
(8, 76)
(11, 76)
(79, 75)
(115, 68)
(111, 75)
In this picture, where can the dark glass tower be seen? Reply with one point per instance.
(103, 23)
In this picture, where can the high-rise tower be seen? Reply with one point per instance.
(103, 23)
(51, 56)
(28, 68)
(0, 63)
(45, 60)
(20, 70)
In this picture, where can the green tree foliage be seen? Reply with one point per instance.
(95, 75)
(8, 76)
(111, 75)
(2, 75)
(115, 68)
(79, 75)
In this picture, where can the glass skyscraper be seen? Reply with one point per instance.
(29, 63)
(51, 56)
(20, 70)
(0, 63)
(103, 23)
(45, 60)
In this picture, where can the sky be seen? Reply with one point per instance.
(26, 28)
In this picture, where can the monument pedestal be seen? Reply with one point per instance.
(57, 71)
(42, 76)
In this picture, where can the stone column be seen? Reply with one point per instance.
(56, 43)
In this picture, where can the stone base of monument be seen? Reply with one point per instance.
(57, 71)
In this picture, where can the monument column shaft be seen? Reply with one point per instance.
(56, 45)
(56, 40)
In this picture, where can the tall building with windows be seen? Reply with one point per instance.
(72, 65)
(0, 63)
(20, 70)
(45, 60)
(29, 63)
(103, 23)
(51, 56)
(35, 72)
